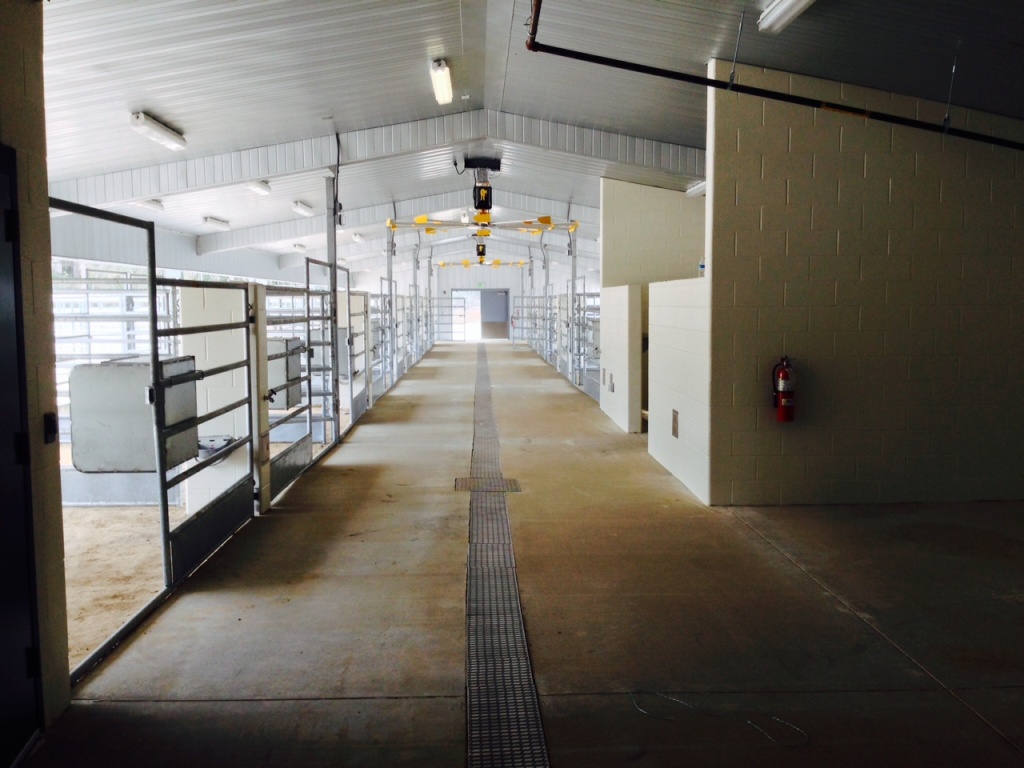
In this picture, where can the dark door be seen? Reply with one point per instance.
(19, 703)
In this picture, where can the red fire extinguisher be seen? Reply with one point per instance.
(783, 390)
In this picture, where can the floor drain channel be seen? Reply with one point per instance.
(503, 725)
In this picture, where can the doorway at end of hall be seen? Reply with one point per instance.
(487, 313)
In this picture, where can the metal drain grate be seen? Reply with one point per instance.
(503, 724)
(487, 484)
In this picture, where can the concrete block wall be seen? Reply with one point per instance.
(648, 233)
(620, 345)
(680, 375)
(888, 263)
(22, 126)
(211, 306)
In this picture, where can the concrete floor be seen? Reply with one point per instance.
(662, 633)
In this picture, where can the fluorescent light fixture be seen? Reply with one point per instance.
(302, 209)
(780, 14)
(697, 190)
(356, 237)
(219, 224)
(298, 247)
(150, 205)
(153, 129)
(258, 186)
(441, 79)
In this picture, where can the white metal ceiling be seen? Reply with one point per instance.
(237, 74)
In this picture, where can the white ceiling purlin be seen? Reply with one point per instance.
(236, 167)
(184, 176)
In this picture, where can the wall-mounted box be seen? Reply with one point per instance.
(112, 419)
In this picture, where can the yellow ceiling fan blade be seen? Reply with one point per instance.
(545, 220)
(496, 263)
(421, 219)
(430, 230)
(465, 263)
(573, 226)
(392, 225)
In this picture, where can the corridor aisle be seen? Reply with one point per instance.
(329, 632)
(665, 633)
(332, 631)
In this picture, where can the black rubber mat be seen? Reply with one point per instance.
(503, 724)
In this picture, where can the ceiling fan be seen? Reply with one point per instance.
(480, 223)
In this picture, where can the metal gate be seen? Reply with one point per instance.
(449, 318)
(587, 342)
(343, 352)
(360, 352)
(223, 500)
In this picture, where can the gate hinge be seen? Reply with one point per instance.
(12, 226)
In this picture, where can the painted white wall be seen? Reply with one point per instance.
(680, 376)
(648, 233)
(620, 344)
(476, 277)
(886, 262)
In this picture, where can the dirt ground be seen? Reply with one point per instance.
(113, 565)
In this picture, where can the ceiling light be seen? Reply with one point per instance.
(150, 205)
(302, 209)
(356, 237)
(258, 186)
(780, 14)
(219, 224)
(441, 78)
(697, 190)
(298, 247)
(153, 129)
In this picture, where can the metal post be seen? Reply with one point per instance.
(392, 327)
(259, 406)
(430, 300)
(332, 260)
(547, 306)
(350, 365)
(157, 398)
(308, 349)
(416, 304)
(571, 341)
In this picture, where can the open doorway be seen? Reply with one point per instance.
(487, 313)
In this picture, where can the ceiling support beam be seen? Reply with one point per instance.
(321, 155)
(374, 215)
